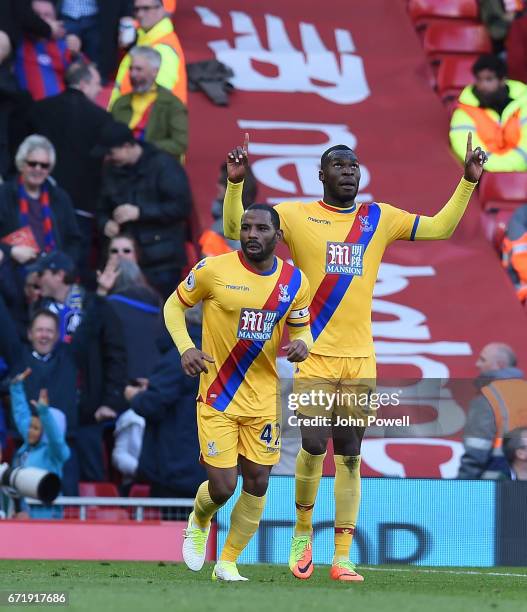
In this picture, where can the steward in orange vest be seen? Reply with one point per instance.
(500, 407)
(495, 111)
(514, 251)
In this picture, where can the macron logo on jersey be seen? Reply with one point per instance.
(256, 324)
(344, 258)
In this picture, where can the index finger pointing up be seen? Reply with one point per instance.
(469, 142)
(246, 142)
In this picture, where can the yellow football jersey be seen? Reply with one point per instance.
(340, 250)
(244, 313)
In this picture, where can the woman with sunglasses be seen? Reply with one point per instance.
(36, 216)
(34, 203)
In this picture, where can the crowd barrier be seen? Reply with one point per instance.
(422, 522)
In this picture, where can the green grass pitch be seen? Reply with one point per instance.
(116, 586)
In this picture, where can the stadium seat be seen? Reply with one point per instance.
(442, 40)
(98, 489)
(453, 75)
(425, 12)
(139, 490)
(503, 190)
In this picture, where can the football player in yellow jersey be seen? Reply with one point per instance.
(339, 245)
(248, 296)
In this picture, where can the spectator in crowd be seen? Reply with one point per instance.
(54, 367)
(128, 433)
(515, 449)
(138, 307)
(213, 241)
(514, 251)
(153, 113)
(145, 192)
(96, 23)
(40, 64)
(156, 30)
(10, 345)
(43, 434)
(72, 122)
(17, 18)
(33, 202)
(498, 408)
(23, 306)
(494, 109)
(102, 363)
(498, 16)
(123, 246)
(516, 46)
(167, 403)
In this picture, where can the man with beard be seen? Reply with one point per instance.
(494, 109)
(247, 296)
(339, 245)
(153, 113)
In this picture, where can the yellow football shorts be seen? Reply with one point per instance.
(223, 436)
(335, 386)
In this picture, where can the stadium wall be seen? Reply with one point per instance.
(422, 522)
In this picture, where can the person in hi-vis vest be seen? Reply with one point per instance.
(494, 109)
(499, 408)
(155, 30)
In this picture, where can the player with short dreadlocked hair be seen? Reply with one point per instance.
(339, 245)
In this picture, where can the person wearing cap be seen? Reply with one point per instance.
(87, 319)
(145, 192)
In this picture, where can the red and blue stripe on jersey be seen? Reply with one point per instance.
(334, 286)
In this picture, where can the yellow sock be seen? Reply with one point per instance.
(245, 518)
(307, 478)
(347, 501)
(204, 507)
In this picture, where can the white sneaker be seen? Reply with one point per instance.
(227, 571)
(194, 545)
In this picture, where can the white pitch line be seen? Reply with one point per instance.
(433, 571)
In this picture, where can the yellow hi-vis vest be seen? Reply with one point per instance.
(503, 138)
(172, 74)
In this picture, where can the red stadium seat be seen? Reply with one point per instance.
(503, 190)
(98, 489)
(425, 12)
(453, 75)
(139, 490)
(443, 40)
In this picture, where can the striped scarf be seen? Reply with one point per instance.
(45, 209)
(139, 130)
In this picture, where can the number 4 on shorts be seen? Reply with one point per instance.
(267, 434)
